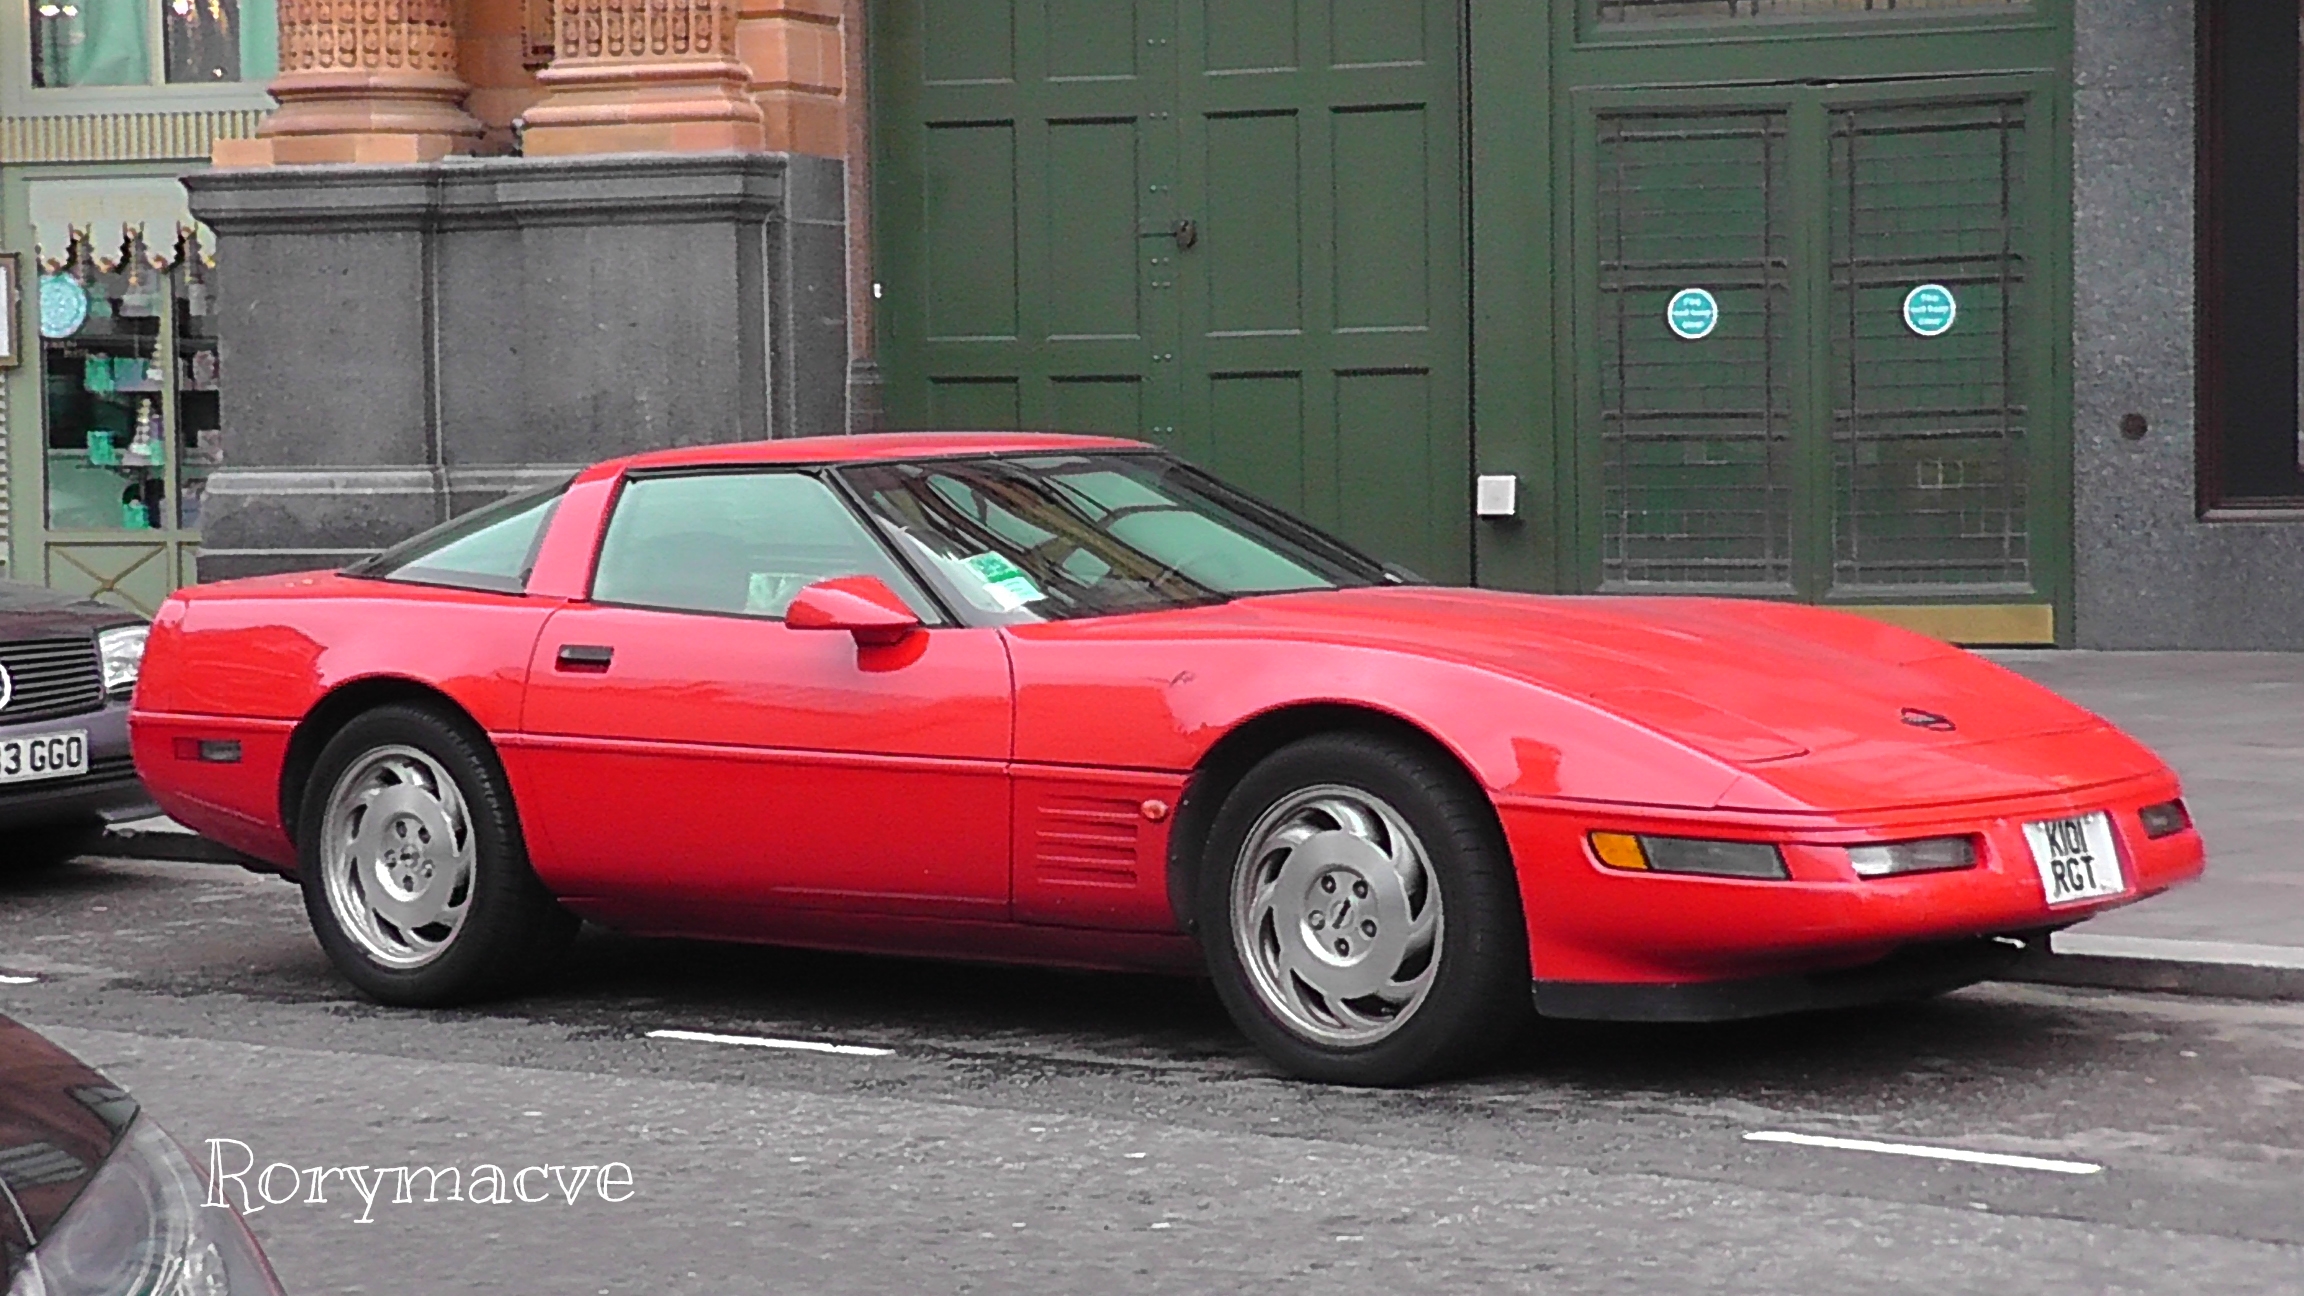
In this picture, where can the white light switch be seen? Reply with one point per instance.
(1497, 496)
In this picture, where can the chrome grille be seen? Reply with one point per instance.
(53, 677)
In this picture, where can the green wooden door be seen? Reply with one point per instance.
(1237, 230)
(1871, 412)
(1024, 144)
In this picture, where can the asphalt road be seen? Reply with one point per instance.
(1053, 1132)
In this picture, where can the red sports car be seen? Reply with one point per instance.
(1069, 700)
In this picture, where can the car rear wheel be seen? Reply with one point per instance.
(415, 875)
(1360, 914)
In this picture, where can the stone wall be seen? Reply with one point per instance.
(2150, 573)
(408, 341)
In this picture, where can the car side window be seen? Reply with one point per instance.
(491, 548)
(738, 544)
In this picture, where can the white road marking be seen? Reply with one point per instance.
(1932, 1153)
(763, 1041)
(11, 979)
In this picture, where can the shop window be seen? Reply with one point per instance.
(2251, 450)
(130, 397)
(149, 42)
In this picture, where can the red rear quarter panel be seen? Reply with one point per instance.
(247, 661)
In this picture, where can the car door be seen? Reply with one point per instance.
(695, 755)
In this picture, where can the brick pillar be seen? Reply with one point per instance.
(799, 72)
(644, 76)
(362, 81)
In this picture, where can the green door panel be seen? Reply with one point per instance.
(1323, 354)
(131, 574)
(1694, 435)
(1022, 151)
(971, 236)
(977, 404)
(1307, 338)
(1930, 435)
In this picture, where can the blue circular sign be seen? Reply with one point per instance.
(1930, 310)
(63, 306)
(1693, 314)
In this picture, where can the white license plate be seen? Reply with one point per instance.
(2076, 858)
(44, 756)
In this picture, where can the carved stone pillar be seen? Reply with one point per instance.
(644, 76)
(363, 81)
(799, 72)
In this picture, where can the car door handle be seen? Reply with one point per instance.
(585, 657)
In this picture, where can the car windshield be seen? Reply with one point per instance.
(1053, 537)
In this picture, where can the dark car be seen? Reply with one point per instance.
(96, 1199)
(67, 667)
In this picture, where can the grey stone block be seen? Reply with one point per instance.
(2149, 572)
(408, 342)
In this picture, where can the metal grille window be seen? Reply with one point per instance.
(1652, 12)
(1929, 432)
(52, 678)
(1695, 434)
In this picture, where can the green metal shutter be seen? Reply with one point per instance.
(1696, 436)
(1930, 434)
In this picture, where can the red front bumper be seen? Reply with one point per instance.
(1591, 924)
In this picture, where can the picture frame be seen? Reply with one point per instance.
(11, 309)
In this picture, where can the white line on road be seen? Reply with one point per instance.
(12, 979)
(763, 1041)
(1932, 1153)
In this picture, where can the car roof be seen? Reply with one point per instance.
(865, 448)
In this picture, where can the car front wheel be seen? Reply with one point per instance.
(1360, 914)
(50, 845)
(415, 876)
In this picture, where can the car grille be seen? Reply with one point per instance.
(54, 677)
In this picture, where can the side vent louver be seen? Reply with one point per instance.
(1086, 839)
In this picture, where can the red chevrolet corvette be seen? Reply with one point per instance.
(1068, 700)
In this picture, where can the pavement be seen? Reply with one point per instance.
(2232, 725)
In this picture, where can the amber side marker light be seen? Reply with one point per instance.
(1690, 855)
(2165, 819)
(215, 751)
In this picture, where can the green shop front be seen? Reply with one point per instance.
(1753, 297)
(113, 414)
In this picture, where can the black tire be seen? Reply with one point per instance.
(513, 931)
(50, 845)
(1478, 998)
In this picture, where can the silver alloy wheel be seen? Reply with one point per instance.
(396, 856)
(1336, 914)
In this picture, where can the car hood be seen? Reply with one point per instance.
(59, 1120)
(1820, 707)
(31, 612)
